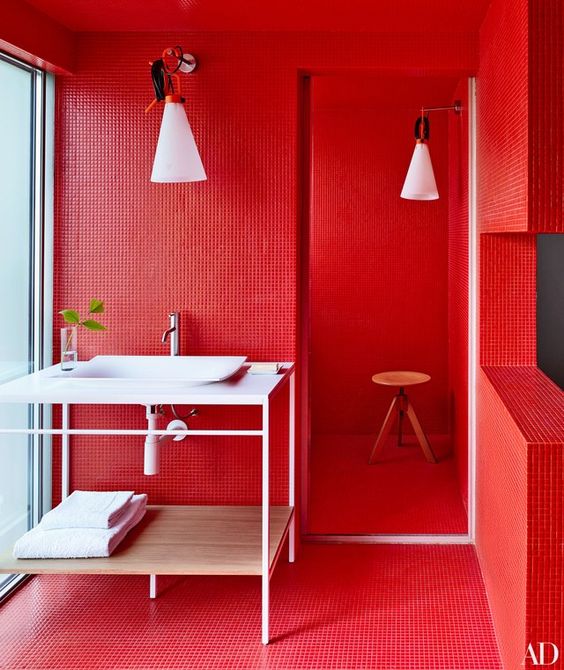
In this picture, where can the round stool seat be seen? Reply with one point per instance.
(400, 378)
(401, 405)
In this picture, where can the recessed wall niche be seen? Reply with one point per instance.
(550, 306)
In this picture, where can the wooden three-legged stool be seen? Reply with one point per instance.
(400, 406)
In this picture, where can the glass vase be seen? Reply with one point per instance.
(69, 355)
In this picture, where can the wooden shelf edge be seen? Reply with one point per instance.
(179, 540)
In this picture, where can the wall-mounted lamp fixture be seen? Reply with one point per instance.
(420, 181)
(176, 158)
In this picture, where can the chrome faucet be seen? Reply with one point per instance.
(174, 333)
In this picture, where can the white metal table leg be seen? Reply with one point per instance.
(292, 468)
(152, 586)
(65, 452)
(265, 523)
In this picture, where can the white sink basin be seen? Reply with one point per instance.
(153, 370)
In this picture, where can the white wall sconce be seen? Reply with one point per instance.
(176, 158)
(420, 181)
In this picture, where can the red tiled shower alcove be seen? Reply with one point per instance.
(386, 284)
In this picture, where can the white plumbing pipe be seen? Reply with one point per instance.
(177, 424)
(151, 459)
(154, 442)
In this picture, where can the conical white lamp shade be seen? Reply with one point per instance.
(177, 158)
(420, 181)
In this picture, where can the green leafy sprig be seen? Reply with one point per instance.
(72, 317)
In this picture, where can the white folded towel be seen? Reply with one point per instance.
(80, 542)
(88, 509)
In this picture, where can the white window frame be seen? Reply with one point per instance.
(41, 214)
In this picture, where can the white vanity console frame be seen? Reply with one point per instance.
(262, 545)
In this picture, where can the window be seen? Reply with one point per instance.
(25, 250)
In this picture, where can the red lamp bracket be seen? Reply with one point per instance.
(422, 121)
(175, 60)
(456, 107)
(165, 74)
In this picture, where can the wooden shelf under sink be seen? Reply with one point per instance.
(178, 540)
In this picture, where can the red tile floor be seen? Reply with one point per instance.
(402, 494)
(339, 607)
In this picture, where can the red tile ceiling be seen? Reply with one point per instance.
(439, 16)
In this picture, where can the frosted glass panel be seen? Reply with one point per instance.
(16, 256)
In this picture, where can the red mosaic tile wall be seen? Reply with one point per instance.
(508, 300)
(533, 405)
(546, 113)
(536, 406)
(506, 330)
(542, 417)
(501, 520)
(378, 263)
(458, 284)
(502, 123)
(535, 402)
(545, 575)
(521, 131)
(222, 251)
